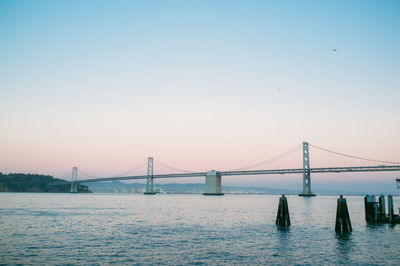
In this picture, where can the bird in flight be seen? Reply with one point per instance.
(334, 50)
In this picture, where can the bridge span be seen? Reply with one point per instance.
(213, 177)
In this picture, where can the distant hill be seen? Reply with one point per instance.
(189, 188)
(198, 188)
(16, 182)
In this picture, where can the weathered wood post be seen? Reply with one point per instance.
(371, 208)
(366, 207)
(390, 208)
(343, 223)
(282, 217)
(374, 208)
(382, 214)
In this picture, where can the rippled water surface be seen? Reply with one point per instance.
(186, 229)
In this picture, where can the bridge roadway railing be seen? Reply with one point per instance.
(379, 168)
(315, 170)
(141, 177)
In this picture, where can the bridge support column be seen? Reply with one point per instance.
(149, 184)
(213, 184)
(306, 172)
(74, 181)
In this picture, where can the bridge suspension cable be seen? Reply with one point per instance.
(86, 174)
(275, 158)
(172, 168)
(67, 175)
(352, 156)
(136, 167)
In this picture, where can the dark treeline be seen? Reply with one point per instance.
(16, 182)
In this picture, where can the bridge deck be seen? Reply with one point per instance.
(381, 168)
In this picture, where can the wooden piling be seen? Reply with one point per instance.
(282, 217)
(374, 208)
(382, 214)
(343, 223)
(366, 200)
(390, 209)
(369, 208)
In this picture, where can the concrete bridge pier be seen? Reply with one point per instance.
(213, 184)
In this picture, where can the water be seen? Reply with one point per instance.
(186, 229)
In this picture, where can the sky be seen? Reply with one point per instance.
(198, 85)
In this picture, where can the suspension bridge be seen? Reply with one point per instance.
(213, 178)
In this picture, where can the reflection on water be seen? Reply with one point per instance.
(344, 248)
(186, 229)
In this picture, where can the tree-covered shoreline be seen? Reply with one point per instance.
(18, 182)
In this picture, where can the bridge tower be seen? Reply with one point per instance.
(306, 172)
(74, 181)
(149, 184)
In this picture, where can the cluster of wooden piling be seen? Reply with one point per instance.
(375, 212)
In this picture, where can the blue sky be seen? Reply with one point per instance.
(198, 84)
